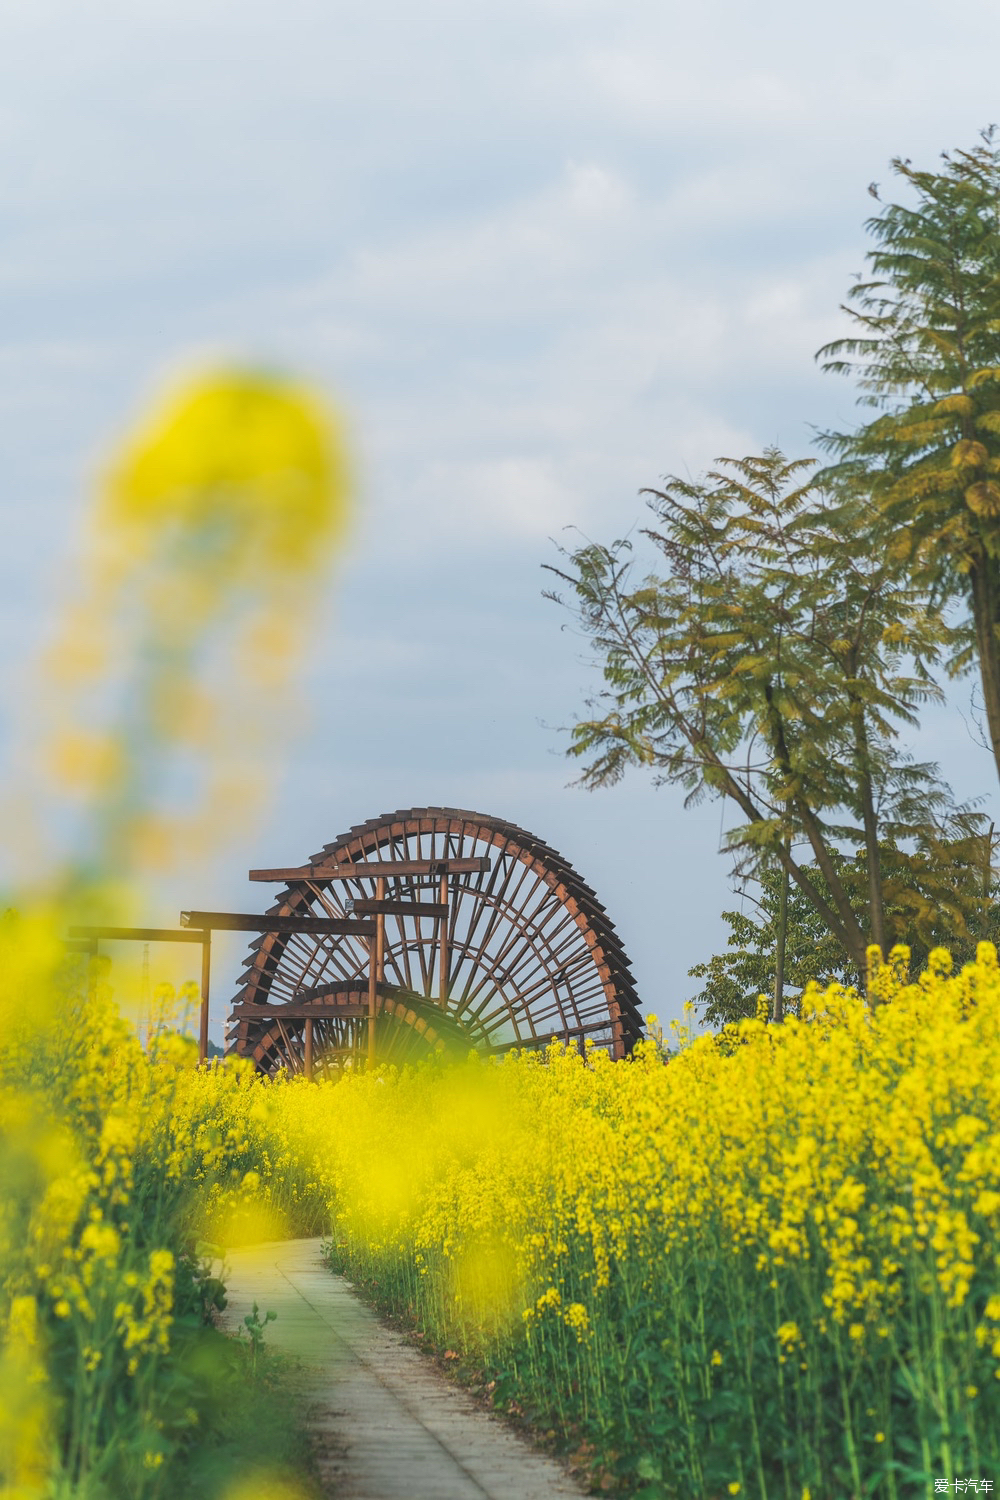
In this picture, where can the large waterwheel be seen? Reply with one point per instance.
(518, 950)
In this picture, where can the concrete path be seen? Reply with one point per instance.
(387, 1425)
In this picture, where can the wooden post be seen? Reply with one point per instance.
(309, 1048)
(371, 998)
(206, 972)
(375, 969)
(443, 954)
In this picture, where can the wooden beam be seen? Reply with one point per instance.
(138, 934)
(301, 1010)
(329, 1010)
(390, 908)
(548, 1034)
(332, 992)
(238, 921)
(392, 868)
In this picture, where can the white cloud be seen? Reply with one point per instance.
(516, 496)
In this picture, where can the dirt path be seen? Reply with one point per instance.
(387, 1426)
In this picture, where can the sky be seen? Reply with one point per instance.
(540, 254)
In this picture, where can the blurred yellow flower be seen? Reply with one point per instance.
(249, 463)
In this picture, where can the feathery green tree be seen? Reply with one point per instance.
(926, 353)
(772, 661)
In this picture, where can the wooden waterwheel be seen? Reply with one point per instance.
(516, 950)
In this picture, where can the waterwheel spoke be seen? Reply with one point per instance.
(547, 985)
(323, 959)
(494, 909)
(519, 946)
(493, 894)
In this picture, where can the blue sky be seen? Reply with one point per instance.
(541, 254)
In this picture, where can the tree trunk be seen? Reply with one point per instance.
(985, 617)
(850, 934)
(876, 908)
(988, 865)
(854, 938)
(841, 922)
(779, 954)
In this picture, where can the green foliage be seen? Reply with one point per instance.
(773, 660)
(734, 980)
(926, 354)
(255, 1332)
(944, 897)
(251, 1431)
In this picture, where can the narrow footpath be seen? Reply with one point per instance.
(386, 1425)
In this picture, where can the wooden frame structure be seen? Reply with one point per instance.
(89, 939)
(513, 951)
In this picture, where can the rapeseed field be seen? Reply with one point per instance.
(768, 1267)
(113, 1383)
(765, 1266)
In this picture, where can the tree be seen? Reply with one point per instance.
(926, 352)
(936, 895)
(773, 663)
(733, 980)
